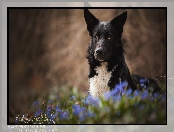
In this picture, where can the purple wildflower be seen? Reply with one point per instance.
(143, 80)
(87, 100)
(72, 98)
(94, 101)
(82, 117)
(137, 93)
(117, 98)
(37, 113)
(120, 87)
(90, 114)
(156, 95)
(107, 95)
(79, 111)
(64, 115)
(127, 92)
(142, 85)
(58, 110)
(116, 91)
(48, 112)
(54, 115)
(144, 95)
(163, 98)
(49, 108)
(16, 120)
(50, 101)
(36, 103)
(76, 109)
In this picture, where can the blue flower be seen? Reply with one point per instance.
(90, 114)
(95, 101)
(58, 110)
(72, 98)
(50, 101)
(90, 100)
(163, 98)
(37, 113)
(49, 108)
(64, 115)
(143, 80)
(80, 112)
(156, 95)
(137, 93)
(145, 94)
(120, 87)
(87, 100)
(116, 91)
(36, 103)
(117, 98)
(77, 109)
(127, 92)
(82, 117)
(107, 95)
(142, 85)
(48, 112)
(16, 121)
(54, 115)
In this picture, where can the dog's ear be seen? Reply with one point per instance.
(120, 20)
(91, 21)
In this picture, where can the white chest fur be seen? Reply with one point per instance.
(99, 83)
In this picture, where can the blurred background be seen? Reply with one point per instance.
(47, 50)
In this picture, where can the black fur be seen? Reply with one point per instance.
(106, 46)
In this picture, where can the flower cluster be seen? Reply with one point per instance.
(89, 109)
(143, 82)
(80, 112)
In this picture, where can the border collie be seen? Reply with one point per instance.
(105, 55)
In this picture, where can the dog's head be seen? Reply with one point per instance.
(105, 36)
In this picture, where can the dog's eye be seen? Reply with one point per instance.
(96, 37)
(109, 38)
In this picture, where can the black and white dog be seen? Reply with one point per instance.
(106, 55)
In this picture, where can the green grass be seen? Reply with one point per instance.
(67, 105)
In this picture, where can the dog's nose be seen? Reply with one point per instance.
(99, 51)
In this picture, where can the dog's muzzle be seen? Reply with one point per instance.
(100, 54)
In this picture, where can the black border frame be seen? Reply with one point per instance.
(8, 8)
